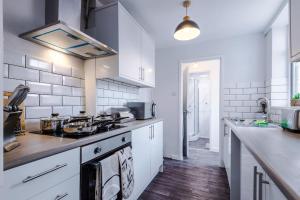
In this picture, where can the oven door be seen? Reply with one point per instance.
(91, 181)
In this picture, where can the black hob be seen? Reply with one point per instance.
(78, 135)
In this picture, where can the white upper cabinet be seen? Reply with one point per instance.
(135, 61)
(295, 29)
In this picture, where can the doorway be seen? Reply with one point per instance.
(200, 106)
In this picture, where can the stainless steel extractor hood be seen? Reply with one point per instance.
(62, 31)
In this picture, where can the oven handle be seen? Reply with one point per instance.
(30, 178)
(59, 197)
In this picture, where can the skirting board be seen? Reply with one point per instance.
(174, 157)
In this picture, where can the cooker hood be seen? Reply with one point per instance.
(62, 31)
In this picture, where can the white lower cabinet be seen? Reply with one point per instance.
(67, 190)
(27, 181)
(147, 154)
(227, 151)
(255, 182)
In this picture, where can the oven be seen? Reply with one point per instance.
(91, 171)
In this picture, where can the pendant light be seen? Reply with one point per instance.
(188, 29)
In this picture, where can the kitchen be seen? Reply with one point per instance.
(93, 99)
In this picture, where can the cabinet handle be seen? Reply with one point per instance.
(255, 183)
(30, 178)
(150, 132)
(260, 189)
(143, 75)
(59, 197)
(153, 131)
(140, 73)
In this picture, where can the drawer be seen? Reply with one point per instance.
(31, 179)
(68, 190)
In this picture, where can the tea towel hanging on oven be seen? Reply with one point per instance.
(126, 163)
(110, 177)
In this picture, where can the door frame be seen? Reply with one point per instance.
(180, 100)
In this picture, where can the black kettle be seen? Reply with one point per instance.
(153, 109)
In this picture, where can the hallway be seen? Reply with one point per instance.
(195, 178)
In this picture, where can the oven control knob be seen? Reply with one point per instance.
(97, 150)
(123, 139)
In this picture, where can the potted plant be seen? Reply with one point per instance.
(296, 100)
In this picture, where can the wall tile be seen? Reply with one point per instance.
(236, 103)
(63, 110)
(236, 115)
(39, 88)
(226, 97)
(99, 109)
(10, 84)
(226, 103)
(255, 109)
(102, 84)
(71, 81)
(102, 101)
(249, 103)
(229, 84)
(113, 102)
(243, 109)
(243, 97)
(77, 109)
(108, 93)
(5, 70)
(257, 84)
(248, 115)
(250, 91)
(279, 88)
(122, 102)
(226, 91)
(62, 69)
(100, 93)
(14, 58)
(35, 63)
(38, 112)
(46, 77)
(117, 94)
(67, 101)
(32, 100)
(229, 109)
(50, 100)
(256, 96)
(78, 72)
(279, 96)
(23, 73)
(122, 88)
(32, 124)
(279, 81)
(62, 90)
(261, 90)
(243, 84)
(236, 91)
(113, 86)
(79, 92)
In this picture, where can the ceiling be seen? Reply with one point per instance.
(217, 19)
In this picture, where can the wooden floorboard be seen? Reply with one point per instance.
(196, 178)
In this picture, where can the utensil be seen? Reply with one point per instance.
(54, 124)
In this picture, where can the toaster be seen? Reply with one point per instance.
(290, 118)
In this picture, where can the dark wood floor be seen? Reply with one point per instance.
(195, 178)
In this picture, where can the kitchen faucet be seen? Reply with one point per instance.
(265, 102)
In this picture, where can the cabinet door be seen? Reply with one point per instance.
(148, 59)
(272, 191)
(226, 151)
(130, 36)
(156, 148)
(295, 27)
(141, 159)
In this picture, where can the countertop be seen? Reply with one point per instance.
(35, 146)
(277, 151)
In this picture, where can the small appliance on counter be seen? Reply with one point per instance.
(290, 119)
(11, 117)
(142, 110)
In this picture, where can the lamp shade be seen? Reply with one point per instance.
(187, 30)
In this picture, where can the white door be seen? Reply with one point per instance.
(148, 59)
(204, 106)
(130, 40)
(141, 159)
(190, 122)
(156, 148)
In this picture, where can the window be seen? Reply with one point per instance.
(295, 78)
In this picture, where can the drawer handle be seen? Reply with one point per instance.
(30, 178)
(59, 197)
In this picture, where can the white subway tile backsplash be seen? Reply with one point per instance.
(261, 90)
(63, 110)
(122, 102)
(248, 115)
(82, 101)
(69, 101)
(102, 101)
(226, 97)
(236, 103)
(249, 103)
(108, 93)
(50, 100)
(257, 96)
(14, 57)
(243, 109)
(38, 112)
(236, 91)
(113, 102)
(226, 103)
(62, 69)
(279, 88)
(122, 88)
(101, 84)
(32, 124)
(243, 84)
(79, 92)
(236, 115)
(229, 109)
(62, 90)
(39, 88)
(32, 100)
(35, 63)
(243, 97)
(279, 96)
(280, 103)
(117, 94)
(100, 93)
(78, 72)
(250, 91)
(22, 73)
(226, 91)
(10, 84)
(113, 86)
(99, 109)
(279, 81)
(71, 81)
(46, 77)
(255, 109)
(77, 109)
(229, 84)
(5, 70)
(257, 84)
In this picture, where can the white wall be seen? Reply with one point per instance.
(242, 60)
(1, 97)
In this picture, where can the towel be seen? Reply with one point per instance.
(110, 177)
(126, 164)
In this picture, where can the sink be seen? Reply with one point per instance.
(251, 123)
